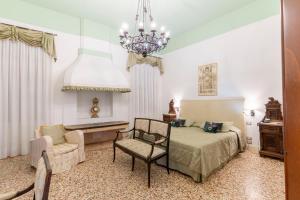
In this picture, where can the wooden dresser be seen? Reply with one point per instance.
(271, 131)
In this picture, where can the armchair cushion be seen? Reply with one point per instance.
(8, 195)
(56, 132)
(141, 148)
(64, 148)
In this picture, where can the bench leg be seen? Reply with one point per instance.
(168, 169)
(149, 168)
(132, 167)
(114, 147)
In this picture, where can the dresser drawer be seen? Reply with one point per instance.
(272, 143)
(271, 129)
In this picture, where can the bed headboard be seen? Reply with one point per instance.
(214, 110)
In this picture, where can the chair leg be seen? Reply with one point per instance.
(114, 147)
(149, 168)
(132, 167)
(168, 169)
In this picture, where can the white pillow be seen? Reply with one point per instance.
(202, 125)
(189, 123)
(226, 126)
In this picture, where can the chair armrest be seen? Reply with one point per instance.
(39, 145)
(118, 132)
(160, 141)
(8, 195)
(15, 194)
(77, 137)
(152, 146)
(74, 137)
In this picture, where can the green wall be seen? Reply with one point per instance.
(43, 17)
(255, 11)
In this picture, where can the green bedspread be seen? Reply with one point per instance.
(199, 154)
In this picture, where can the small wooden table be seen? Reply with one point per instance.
(169, 117)
(107, 129)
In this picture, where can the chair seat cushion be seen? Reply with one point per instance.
(141, 148)
(7, 195)
(64, 148)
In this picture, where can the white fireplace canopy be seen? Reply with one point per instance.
(93, 71)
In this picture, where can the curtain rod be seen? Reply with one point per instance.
(29, 29)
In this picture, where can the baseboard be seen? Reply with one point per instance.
(253, 148)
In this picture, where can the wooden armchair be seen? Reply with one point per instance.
(150, 142)
(42, 182)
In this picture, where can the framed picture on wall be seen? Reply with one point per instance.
(207, 79)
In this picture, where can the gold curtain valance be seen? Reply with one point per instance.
(30, 37)
(134, 59)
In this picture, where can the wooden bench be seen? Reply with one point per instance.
(149, 142)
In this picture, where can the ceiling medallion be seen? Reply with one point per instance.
(146, 39)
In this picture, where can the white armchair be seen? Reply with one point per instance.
(62, 156)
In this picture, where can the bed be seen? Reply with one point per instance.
(199, 154)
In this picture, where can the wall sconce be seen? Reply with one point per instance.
(249, 113)
(252, 113)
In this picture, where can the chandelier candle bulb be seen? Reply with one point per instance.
(141, 25)
(147, 40)
(121, 32)
(125, 26)
(153, 26)
(167, 34)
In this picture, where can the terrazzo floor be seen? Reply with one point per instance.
(247, 177)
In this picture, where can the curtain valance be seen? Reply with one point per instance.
(30, 37)
(134, 59)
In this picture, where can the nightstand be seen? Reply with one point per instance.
(271, 131)
(271, 139)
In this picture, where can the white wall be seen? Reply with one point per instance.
(64, 104)
(249, 65)
(249, 61)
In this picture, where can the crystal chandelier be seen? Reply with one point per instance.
(146, 39)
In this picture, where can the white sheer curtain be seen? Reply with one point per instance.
(25, 95)
(145, 97)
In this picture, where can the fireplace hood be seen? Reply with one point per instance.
(94, 71)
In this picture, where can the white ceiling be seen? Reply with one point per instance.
(177, 15)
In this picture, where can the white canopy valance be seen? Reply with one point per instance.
(134, 59)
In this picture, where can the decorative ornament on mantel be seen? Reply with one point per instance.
(146, 39)
(95, 108)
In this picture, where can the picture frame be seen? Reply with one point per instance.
(208, 80)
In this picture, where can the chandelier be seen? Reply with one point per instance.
(146, 39)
